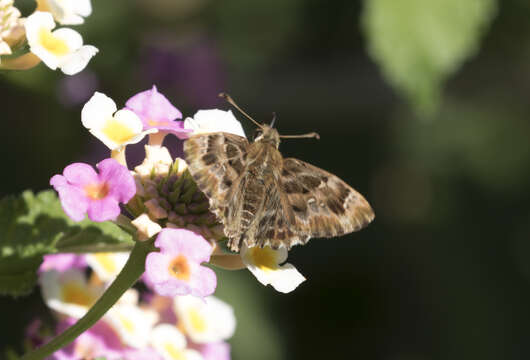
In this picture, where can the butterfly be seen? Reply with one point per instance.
(263, 199)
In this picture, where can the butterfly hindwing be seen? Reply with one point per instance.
(323, 204)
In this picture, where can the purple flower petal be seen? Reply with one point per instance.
(215, 351)
(105, 209)
(80, 174)
(119, 180)
(176, 269)
(62, 262)
(73, 199)
(82, 190)
(151, 105)
(184, 241)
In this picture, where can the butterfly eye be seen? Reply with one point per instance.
(258, 133)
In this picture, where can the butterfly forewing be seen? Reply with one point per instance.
(263, 199)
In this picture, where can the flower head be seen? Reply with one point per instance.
(68, 292)
(66, 12)
(264, 264)
(168, 341)
(62, 262)
(107, 265)
(211, 320)
(156, 112)
(11, 26)
(62, 48)
(82, 190)
(214, 120)
(176, 269)
(114, 128)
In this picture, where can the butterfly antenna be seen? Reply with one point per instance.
(273, 119)
(308, 135)
(233, 103)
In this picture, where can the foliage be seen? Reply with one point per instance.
(34, 225)
(418, 43)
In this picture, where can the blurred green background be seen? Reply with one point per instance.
(422, 105)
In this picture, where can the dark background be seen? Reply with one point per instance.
(442, 273)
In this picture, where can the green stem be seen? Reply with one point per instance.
(133, 269)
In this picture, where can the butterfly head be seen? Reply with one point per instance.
(267, 135)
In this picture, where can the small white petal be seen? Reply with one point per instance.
(208, 320)
(83, 7)
(71, 37)
(214, 120)
(107, 265)
(133, 324)
(97, 111)
(264, 264)
(78, 60)
(146, 227)
(34, 23)
(167, 340)
(129, 119)
(68, 292)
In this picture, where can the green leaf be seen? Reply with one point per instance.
(419, 43)
(34, 225)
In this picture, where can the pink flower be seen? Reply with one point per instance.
(215, 351)
(157, 112)
(98, 341)
(62, 262)
(176, 269)
(82, 190)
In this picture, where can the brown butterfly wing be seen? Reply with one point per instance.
(216, 161)
(323, 205)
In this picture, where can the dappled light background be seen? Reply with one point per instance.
(444, 270)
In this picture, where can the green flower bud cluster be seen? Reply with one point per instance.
(172, 199)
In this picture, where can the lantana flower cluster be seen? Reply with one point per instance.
(161, 201)
(149, 326)
(61, 48)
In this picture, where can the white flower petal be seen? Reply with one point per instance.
(146, 227)
(83, 7)
(263, 263)
(71, 37)
(208, 320)
(214, 120)
(68, 292)
(132, 323)
(78, 60)
(107, 265)
(35, 22)
(168, 341)
(287, 278)
(97, 111)
(129, 119)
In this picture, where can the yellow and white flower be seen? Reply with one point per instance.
(205, 320)
(62, 48)
(169, 342)
(107, 265)
(11, 26)
(114, 128)
(214, 120)
(264, 264)
(68, 292)
(66, 12)
(132, 323)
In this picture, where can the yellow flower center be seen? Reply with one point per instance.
(76, 294)
(180, 268)
(52, 43)
(127, 324)
(264, 258)
(197, 321)
(117, 131)
(175, 353)
(152, 122)
(107, 262)
(96, 191)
